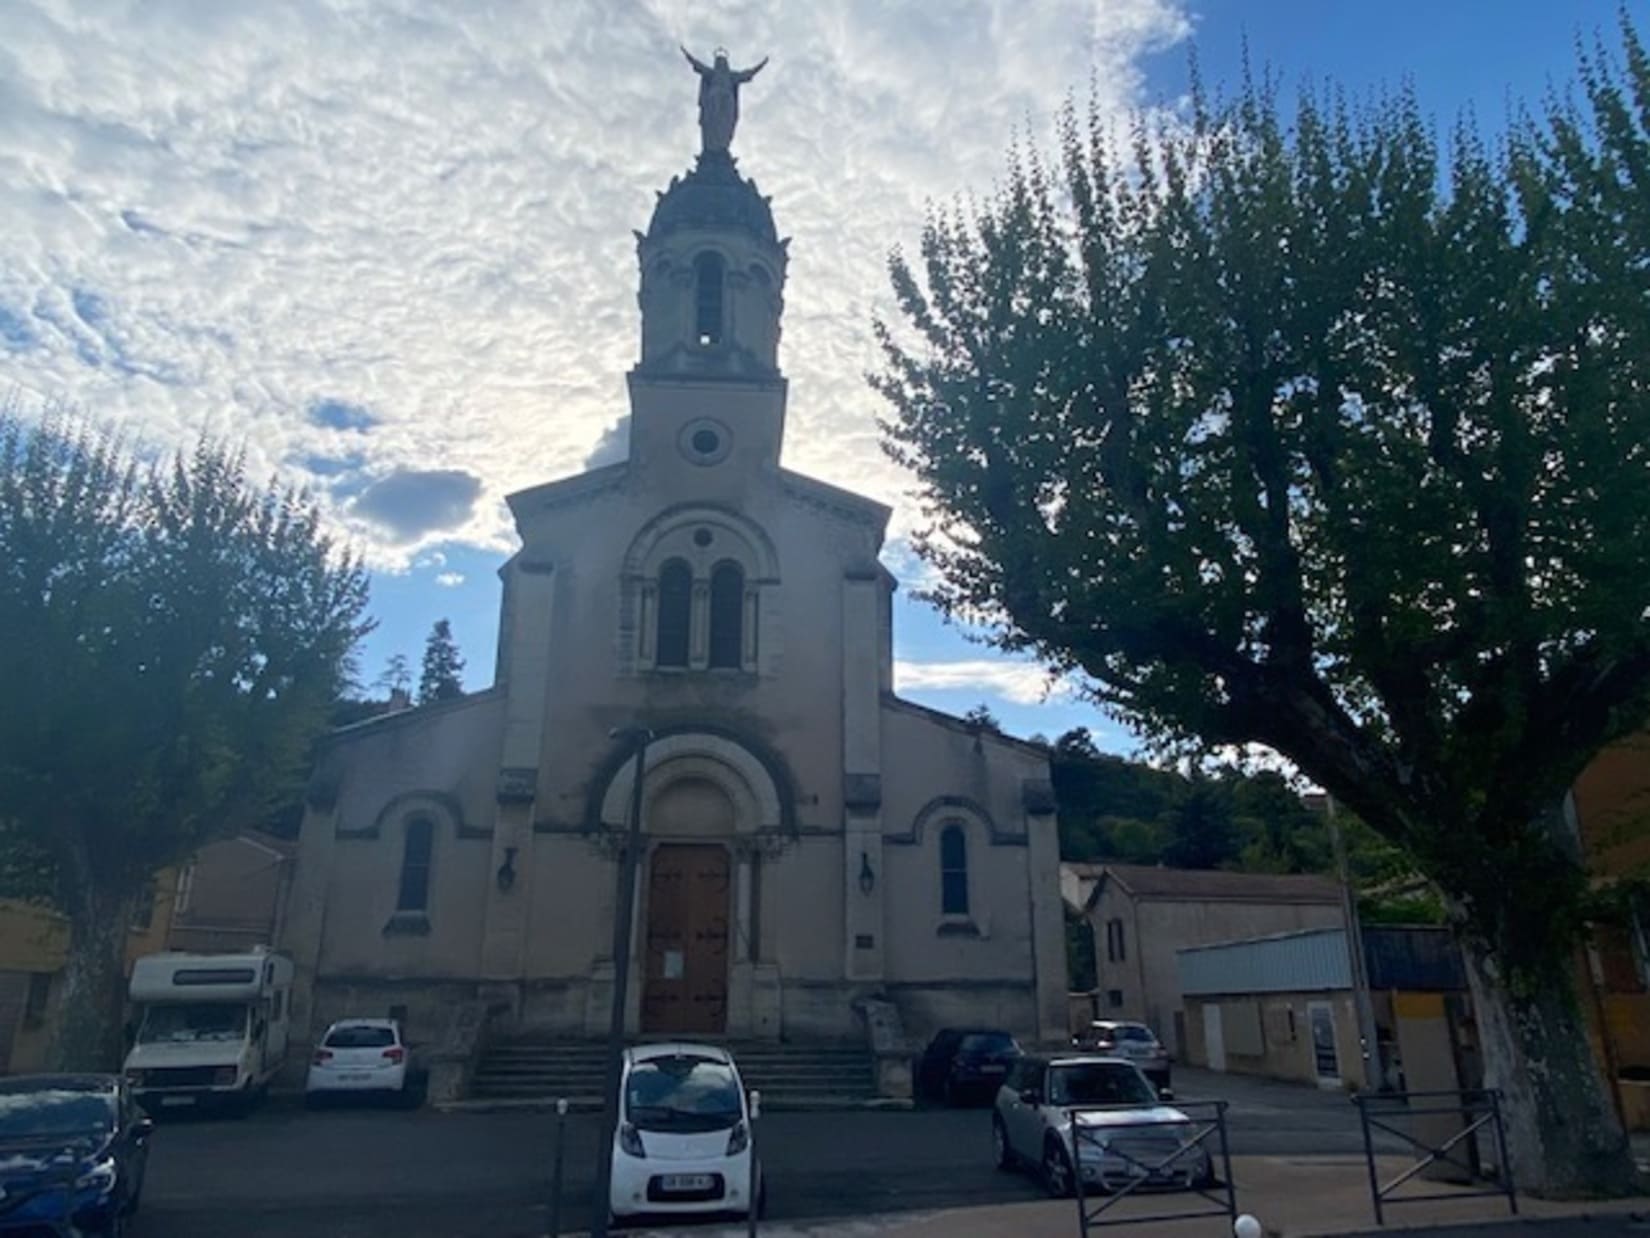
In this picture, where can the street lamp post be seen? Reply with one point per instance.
(625, 905)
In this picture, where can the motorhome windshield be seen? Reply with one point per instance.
(186, 1022)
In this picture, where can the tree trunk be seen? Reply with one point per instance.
(89, 1036)
(1563, 1136)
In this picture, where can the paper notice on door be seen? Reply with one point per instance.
(673, 965)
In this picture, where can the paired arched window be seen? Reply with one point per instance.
(708, 273)
(953, 871)
(675, 614)
(727, 616)
(416, 847)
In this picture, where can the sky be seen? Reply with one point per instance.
(387, 243)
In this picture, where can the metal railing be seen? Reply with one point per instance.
(1477, 1108)
(1121, 1172)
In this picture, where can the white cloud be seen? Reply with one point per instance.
(1024, 683)
(450, 580)
(382, 238)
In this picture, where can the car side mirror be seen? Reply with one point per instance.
(1030, 1096)
(143, 1128)
(755, 1101)
(1165, 1093)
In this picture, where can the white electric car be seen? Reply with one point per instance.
(683, 1142)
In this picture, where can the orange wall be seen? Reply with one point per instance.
(1612, 799)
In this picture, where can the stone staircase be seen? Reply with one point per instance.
(528, 1066)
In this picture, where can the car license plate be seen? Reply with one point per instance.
(168, 1102)
(354, 1076)
(686, 1182)
(993, 1070)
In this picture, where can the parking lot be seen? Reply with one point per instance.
(359, 1172)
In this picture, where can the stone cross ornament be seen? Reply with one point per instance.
(719, 99)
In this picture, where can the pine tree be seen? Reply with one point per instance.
(442, 666)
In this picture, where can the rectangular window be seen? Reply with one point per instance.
(213, 975)
(415, 866)
(143, 911)
(34, 1004)
(186, 887)
(1115, 952)
(1115, 998)
(953, 871)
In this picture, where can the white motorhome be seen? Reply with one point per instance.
(210, 1028)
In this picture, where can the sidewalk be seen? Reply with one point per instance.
(1292, 1197)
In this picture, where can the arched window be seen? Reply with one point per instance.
(675, 613)
(727, 614)
(953, 871)
(415, 866)
(707, 298)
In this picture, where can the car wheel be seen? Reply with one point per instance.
(1057, 1178)
(1205, 1179)
(1000, 1144)
(134, 1199)
(948, 1093)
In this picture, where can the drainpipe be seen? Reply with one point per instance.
(1368, 1047)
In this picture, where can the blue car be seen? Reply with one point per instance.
(72, 1154)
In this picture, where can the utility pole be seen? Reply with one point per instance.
(1368, 1044)
(624, 909)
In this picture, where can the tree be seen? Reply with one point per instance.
(1295, 432)
(442, 666)
(174, 635)
(397, 676)
(980, 718)
(1202, 833)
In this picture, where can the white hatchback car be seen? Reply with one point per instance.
(1126, 1134)
(359, 1055)
(683, 1142)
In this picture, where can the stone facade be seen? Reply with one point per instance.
(812, 841)
(1142, 916)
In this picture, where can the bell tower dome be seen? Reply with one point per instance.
(712, 268)
(713, 278)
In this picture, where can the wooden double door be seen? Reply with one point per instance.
(685, 989)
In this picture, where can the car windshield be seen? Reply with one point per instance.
(683, 1094)
(1098, 1083)
(982, 1043)
(359, 1037)
(55, 1112)
(1132, 1033)
(187, 1022)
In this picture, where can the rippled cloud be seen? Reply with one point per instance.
(387, 242)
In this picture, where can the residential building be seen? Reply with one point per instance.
(1611, 805)
(1141, 916)
(1283, 1006)
(34, 943)
(232, 895)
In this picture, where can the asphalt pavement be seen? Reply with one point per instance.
(360, 1173)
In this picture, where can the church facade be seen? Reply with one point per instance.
(810, 839)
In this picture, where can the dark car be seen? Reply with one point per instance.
(965, 1064)
(72, 1149)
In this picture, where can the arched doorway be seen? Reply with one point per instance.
(688, 935)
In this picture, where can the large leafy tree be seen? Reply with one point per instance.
(171, 639)
(1293, 430)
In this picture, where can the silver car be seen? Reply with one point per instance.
(1133, 1041)
(1127, 1134)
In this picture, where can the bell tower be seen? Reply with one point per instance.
(712, 271)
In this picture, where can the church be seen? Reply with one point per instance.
(810, 840)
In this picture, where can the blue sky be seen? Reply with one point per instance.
(386, 242)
